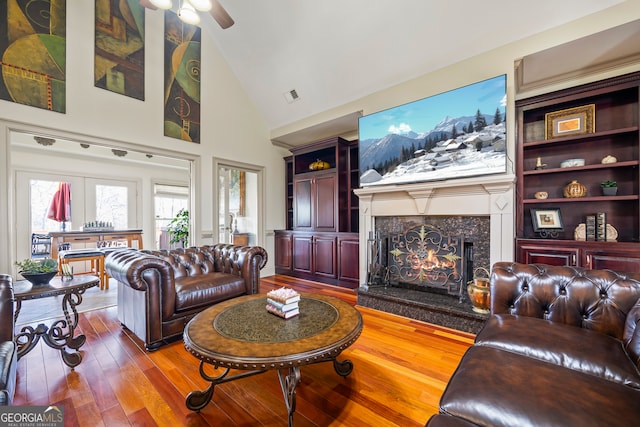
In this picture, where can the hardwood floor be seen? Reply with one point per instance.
(401, 367)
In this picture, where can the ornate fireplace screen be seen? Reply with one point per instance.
(423, 256)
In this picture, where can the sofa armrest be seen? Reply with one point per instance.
(145, 272)
(243, 261)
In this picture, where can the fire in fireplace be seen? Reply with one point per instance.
(425, 257)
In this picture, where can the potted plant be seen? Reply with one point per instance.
(38, 272)
(609, 188)
(178, 228)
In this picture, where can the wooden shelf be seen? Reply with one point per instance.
(617, 124)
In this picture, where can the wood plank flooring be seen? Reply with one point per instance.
(401, 367)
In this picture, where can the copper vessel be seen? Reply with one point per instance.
(479, 291)
(574, 189)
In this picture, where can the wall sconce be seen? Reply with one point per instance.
(119, 153)
(84, 145)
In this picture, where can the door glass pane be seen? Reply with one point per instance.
(41, 195)
(168, 201)
(112, 206)
(237, 205)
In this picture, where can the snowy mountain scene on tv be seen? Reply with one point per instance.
(455, 134)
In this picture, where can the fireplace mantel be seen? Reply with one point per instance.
(490, 195)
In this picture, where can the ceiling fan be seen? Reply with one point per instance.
(187, 10)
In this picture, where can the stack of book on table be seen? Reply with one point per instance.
(283, 302)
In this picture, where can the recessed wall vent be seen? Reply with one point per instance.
(291, 96)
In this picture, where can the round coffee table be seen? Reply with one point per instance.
(240, 334)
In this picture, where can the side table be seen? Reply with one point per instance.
(60, 334)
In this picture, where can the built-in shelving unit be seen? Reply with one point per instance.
(321, 241)
(616, 133)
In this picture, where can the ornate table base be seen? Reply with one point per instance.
(289, 380)
(60, 334)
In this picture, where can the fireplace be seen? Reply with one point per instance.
(425, 257)
(476, 214)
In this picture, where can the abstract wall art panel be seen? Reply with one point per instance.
(33, 53)
(119, 47)
(182, 79)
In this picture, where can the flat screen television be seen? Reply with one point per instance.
(455, 134)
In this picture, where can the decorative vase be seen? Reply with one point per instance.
(38, 279)
(479, 292)
(574, 189)
(609, 191)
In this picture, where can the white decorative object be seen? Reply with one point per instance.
(608, 160)
(571, 163)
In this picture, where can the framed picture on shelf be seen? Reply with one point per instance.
(546, 220)
(571, 121)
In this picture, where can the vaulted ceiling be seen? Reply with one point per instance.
(332, 52)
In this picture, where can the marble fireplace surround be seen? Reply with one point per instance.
(490, 195)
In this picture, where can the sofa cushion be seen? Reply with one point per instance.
(501, 388)
(569, 346)
(206, 289)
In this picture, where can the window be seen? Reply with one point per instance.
(168, 200)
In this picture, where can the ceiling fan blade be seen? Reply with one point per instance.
(220, 15)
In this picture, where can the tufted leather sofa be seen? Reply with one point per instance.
(560, 348)
(8, 349)
(160, 291)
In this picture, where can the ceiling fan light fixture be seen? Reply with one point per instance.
(162, 4)
(188, 14)
(201, 5)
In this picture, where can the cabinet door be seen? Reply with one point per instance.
(303, 254)
(348, 261)
(325, 256)
(283, 258)
(302, 200)
(550, 255)
(325, 206)
(620, 261)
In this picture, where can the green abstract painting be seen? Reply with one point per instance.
(182, 79)
(119, 47)
(33, 53)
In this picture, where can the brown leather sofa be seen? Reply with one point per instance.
(560, 348)
(160, 291)
(8, 348)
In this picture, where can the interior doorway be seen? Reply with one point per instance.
(239, 204)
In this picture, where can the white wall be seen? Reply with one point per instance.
(231, 127)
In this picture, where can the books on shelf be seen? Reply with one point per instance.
(283, 302)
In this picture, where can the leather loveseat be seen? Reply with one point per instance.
(8, 349)
(560, 348)
(160, 291)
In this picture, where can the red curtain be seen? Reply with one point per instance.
(60, 208)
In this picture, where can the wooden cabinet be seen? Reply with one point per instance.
(324, 257)
(315, 203)
(615, 132)
(322, 214)
(322, 199)
(621, 256)
(283, 246)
